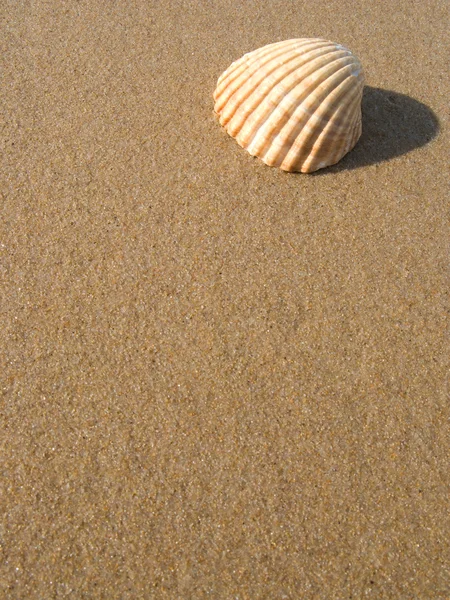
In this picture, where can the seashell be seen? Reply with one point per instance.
(294, 104)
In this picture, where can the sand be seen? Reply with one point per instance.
(220, 380)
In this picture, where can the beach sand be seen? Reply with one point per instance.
(220, 380)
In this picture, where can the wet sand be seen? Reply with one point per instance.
(220, 380)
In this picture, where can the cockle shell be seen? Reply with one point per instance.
(294, 104)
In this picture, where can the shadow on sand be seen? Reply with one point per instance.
(392, 124)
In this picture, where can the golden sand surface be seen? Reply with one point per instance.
(220, 380)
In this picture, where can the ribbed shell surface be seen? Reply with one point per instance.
(294, 104)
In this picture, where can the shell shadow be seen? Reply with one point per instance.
(392, 124)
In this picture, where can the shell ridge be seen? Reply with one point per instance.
(250, 69)
(288, 100)
(246, 71)
(330, 133)
(309, 133)
(355, 129)
(253, 94)
(295, 104)
(251, 72)
(252, 58)
(245, 58)
(295, 125)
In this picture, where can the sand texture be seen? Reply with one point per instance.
(219, 380)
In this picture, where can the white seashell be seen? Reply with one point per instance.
(294, 104)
